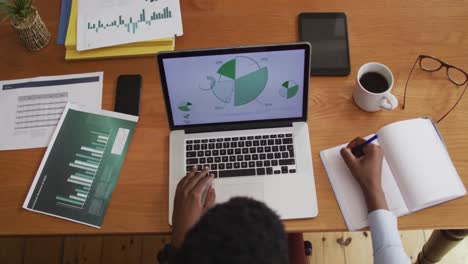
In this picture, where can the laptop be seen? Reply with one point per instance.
(242, 112)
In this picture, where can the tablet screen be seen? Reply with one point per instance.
(327, 33)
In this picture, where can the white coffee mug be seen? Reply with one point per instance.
(372, 102)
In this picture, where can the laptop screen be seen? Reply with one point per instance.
(237, 87)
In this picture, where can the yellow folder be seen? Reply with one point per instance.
(72, 54)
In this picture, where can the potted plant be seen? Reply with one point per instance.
(26, 22)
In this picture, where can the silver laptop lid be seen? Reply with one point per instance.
(236, 88)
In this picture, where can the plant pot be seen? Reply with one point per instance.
(32, 32)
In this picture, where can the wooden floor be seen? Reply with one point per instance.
(356, 247)
(335, 248)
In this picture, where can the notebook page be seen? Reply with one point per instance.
(421, 164)
(348, 192)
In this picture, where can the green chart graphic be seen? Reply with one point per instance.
(132, 24)
(186, 106)
(241, 79)
(288, 89)
(85, 167)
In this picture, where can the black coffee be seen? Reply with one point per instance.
(374, 82)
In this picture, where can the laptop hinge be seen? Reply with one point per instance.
(242, 126)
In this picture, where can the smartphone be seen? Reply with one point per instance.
(127, 98)
(327, 33)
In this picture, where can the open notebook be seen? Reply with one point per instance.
(417, 172)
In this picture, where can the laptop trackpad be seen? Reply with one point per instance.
(224, 192)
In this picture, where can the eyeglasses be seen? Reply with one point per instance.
(431, 64)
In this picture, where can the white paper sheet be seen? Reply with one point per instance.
(349, 194)
(113, 22)
(417, 155)
(31, 108)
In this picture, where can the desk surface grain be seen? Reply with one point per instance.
(391, 32)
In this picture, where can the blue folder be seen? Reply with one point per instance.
(63, 24)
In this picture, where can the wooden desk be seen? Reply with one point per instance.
(391, 32)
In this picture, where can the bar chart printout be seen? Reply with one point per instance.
(131, 25)
(114, 22)
(80, 169)
(85, 166)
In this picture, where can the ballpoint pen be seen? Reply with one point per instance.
(357, 151)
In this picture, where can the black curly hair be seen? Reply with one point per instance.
(240, 231)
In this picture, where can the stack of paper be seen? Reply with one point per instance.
(121, 28)
(87, 145)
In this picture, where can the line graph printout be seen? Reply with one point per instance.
(31, 108)
(114, 22)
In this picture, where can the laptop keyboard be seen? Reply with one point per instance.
(242, 156)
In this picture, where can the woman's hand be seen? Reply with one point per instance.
(188, 206)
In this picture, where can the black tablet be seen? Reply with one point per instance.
(328, 35)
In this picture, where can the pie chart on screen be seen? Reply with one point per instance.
(289, 89)
(240, 81)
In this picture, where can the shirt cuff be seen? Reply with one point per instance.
(384, 230)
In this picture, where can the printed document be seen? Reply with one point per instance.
(114, 22)
(81, 166)
(31, 108)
